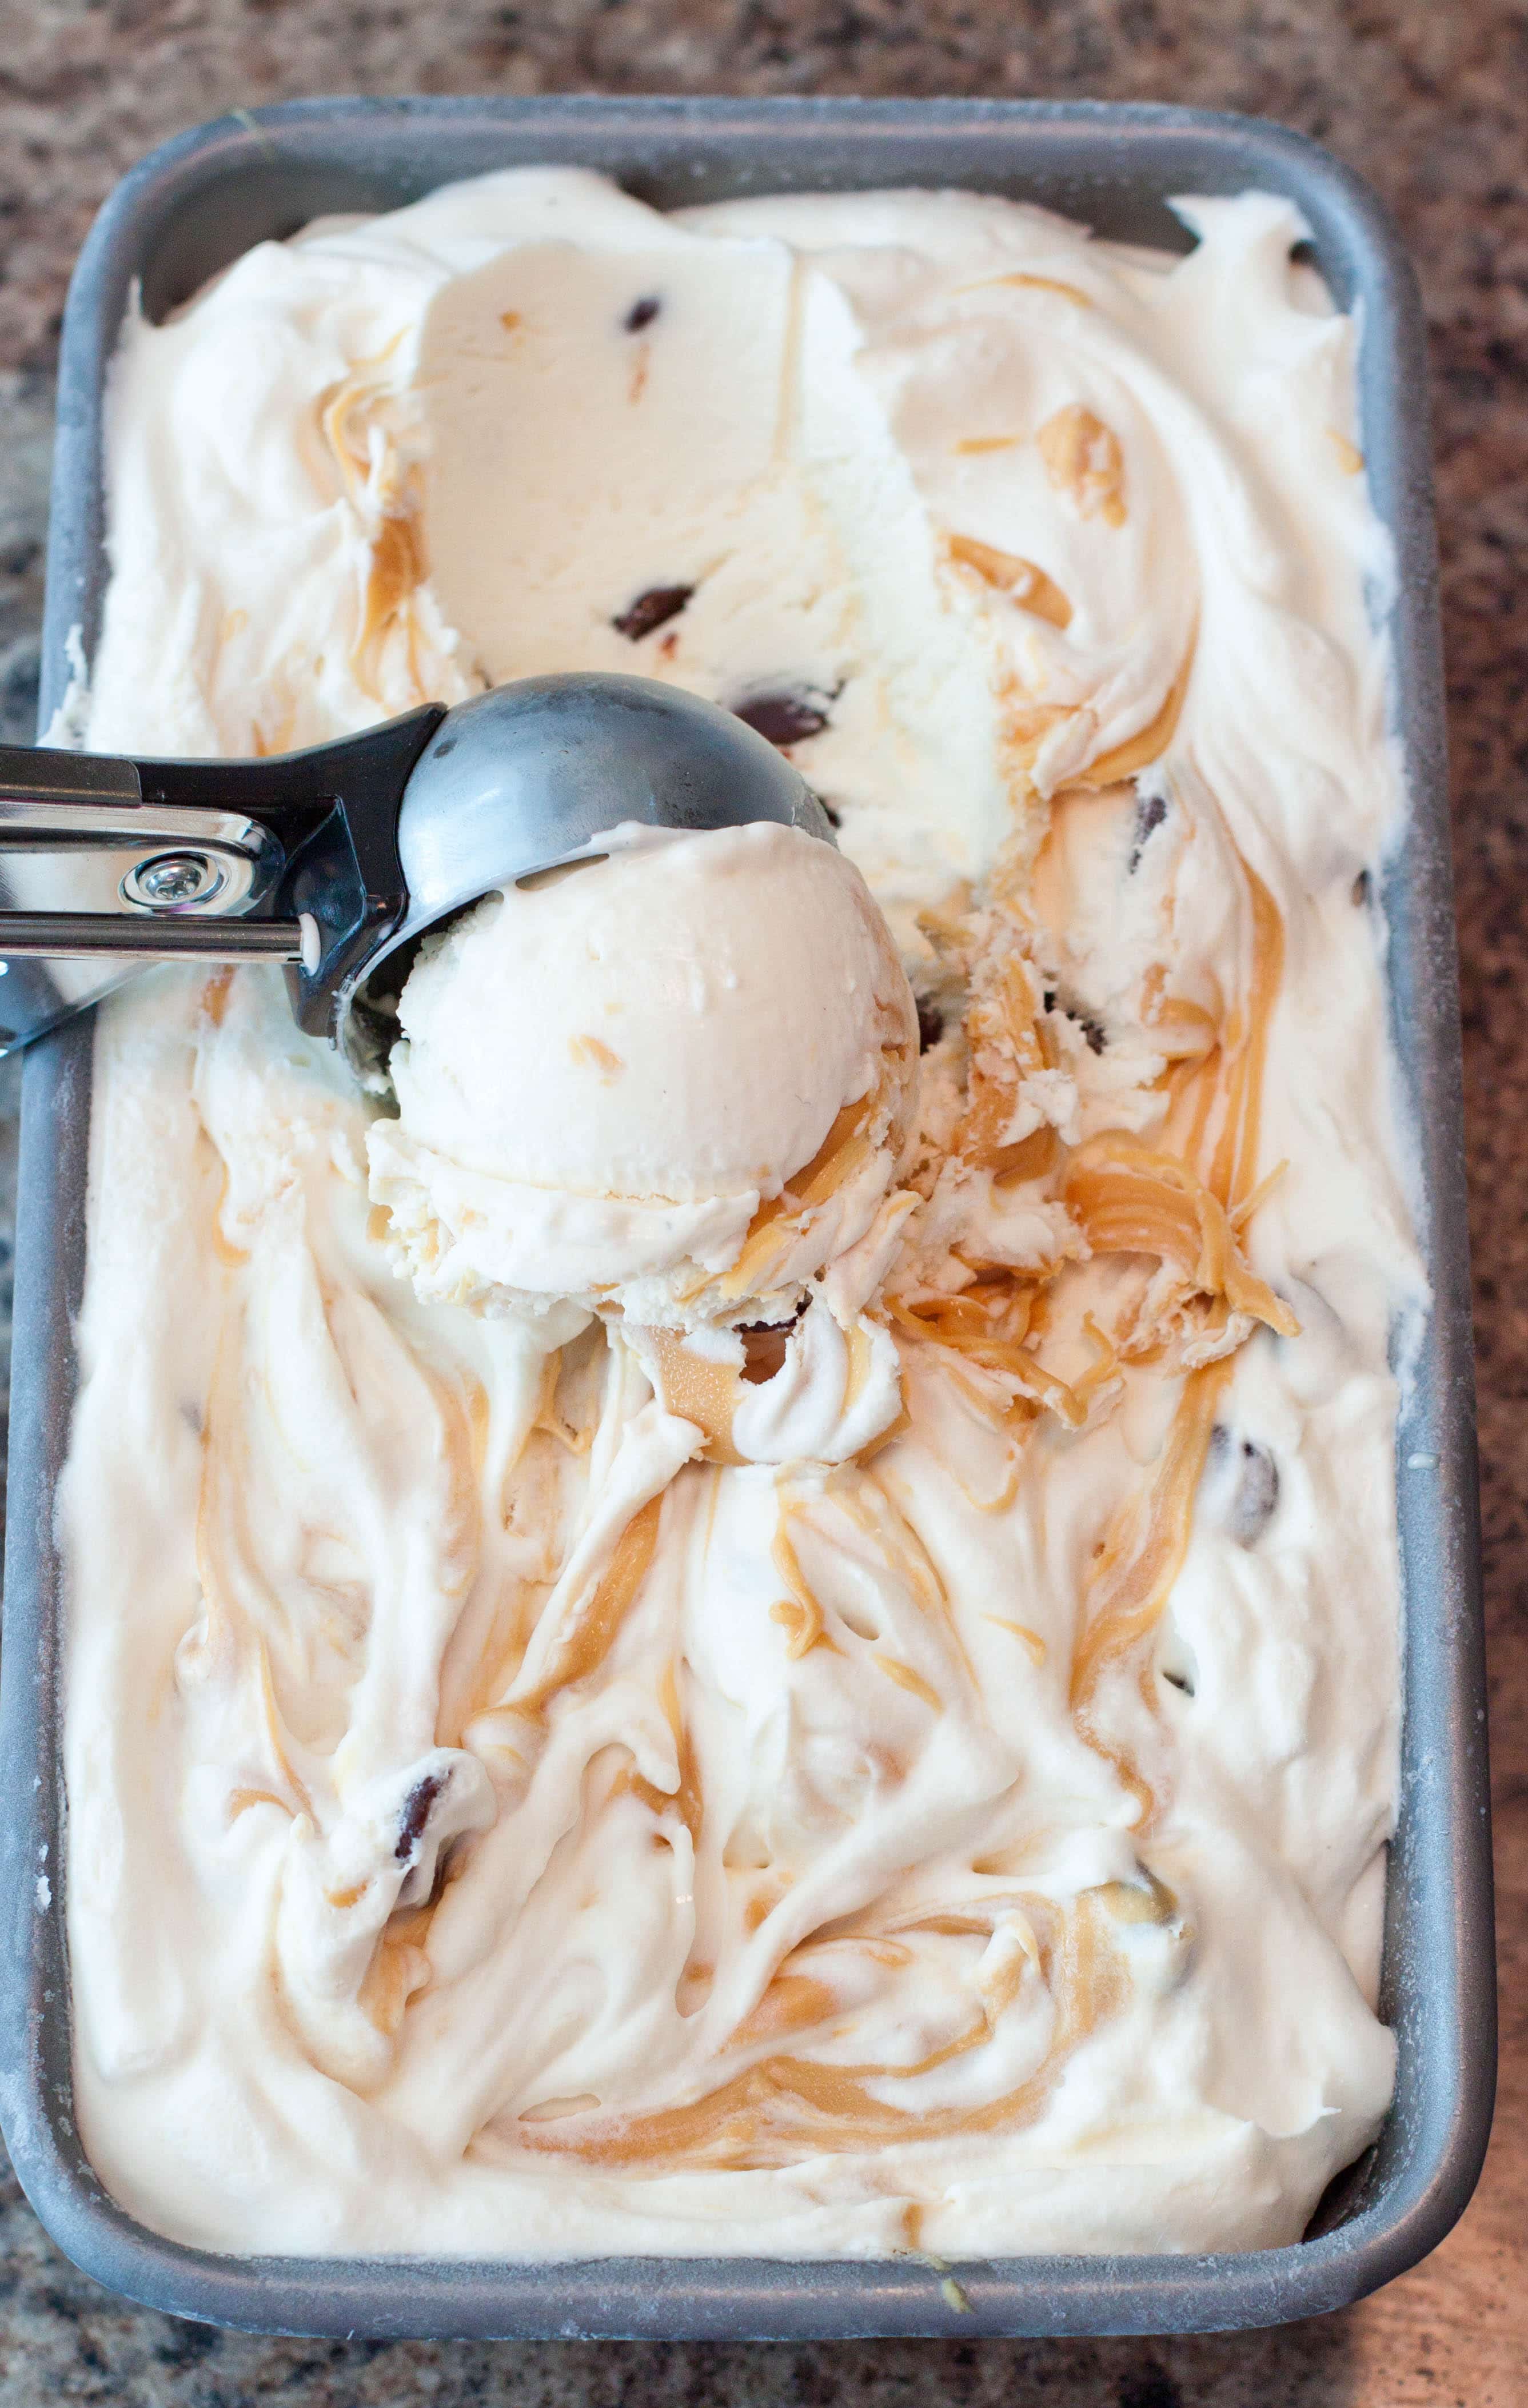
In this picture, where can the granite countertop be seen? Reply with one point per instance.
(1431, 103)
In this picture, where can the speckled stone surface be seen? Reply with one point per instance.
(1430, 101)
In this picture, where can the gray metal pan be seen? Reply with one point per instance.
(185, 212)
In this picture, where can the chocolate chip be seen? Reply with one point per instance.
(763, 1354)
(763, 1347)
(653, 609)
(782, 718)
(1176, 1663)
(931, 1023)
(1094, 1030)
(1245, 1481)
(416, 1813)
(642, 313)
(1257, 1494)
(834, 819)
(1363, 888)
(1150, 810)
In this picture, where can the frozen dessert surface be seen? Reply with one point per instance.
(697, 1643)
(610, 1076)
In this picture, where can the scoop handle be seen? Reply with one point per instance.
(107, 864)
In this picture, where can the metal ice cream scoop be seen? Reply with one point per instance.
(338, 860)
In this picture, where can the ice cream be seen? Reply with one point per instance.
(608, 1081)
(917, 1776)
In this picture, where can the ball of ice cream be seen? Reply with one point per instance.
(673, 1082)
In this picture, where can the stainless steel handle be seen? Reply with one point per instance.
(106, 865)
(64, 935)
(153, 860)
(37, 773)
(96, 881)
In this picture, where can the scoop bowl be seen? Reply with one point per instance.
(535, 773)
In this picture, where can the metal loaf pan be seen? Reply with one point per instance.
(185, 212)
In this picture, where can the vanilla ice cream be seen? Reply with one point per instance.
(555, 1768)
(610, 1077)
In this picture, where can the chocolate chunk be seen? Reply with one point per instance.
(1094, 1030)
(763, 1354)
(1245, 1481)
(642, 313)
(653, 609)
(1363, 888)
(1256, 1495)
(931, 1023)
(1179, 1681)
(416, 1813)
(763, 1347)
(1150, 810)
(782, 718)
(834, 819)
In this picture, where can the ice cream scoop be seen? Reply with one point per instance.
(674, 1081)
(336, 859)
